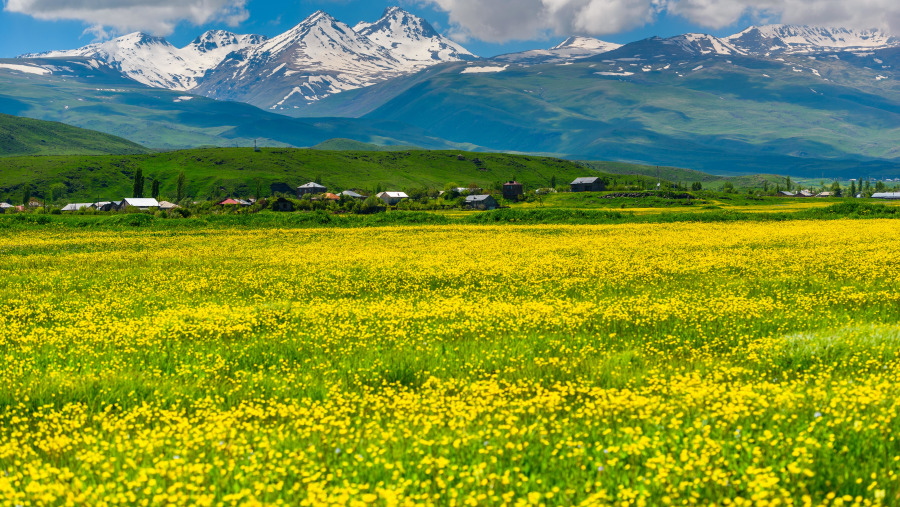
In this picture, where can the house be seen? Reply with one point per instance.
(311, 188)
(75, 206)
(824, 194)
(282, 205)
(588, 184)
(228, 202)
(107, 205)
(392, 198)
(141, 203)
(331, 197)
(34, 203)
(886, 195)
(786, 193)
(482, 202)
(804, 193)
(5, 206)
(512, 190)
(244, 202)
(167, 206)
(354, 195)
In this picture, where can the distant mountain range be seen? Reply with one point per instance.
(776, 98)
(319, 57)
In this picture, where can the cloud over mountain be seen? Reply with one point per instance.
(503, 20)
(159, 17)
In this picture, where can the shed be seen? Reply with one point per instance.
(588, 184)
(886, 195)
(141, 203)
(482, 202)
(282, 205)
(75, 206)
(824, 194)
(167, 206)
(512, 190)
(311, 188)
(392, 198)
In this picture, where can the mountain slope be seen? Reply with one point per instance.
(153, 61)
(689, 101)
(73, 92)
(25, 136)
(776, 39)
(412, 38)
(569, 50)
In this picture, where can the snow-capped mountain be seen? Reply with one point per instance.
(155, 62)
(412, 38)
(703, 44)
(319, 57)
(762, 40)
(569, 50)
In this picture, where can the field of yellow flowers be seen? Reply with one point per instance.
(648, 364)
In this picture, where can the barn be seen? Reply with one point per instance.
(588, 184)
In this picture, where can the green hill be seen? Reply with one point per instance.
(341, 144)
(218, 172)
(25, 136)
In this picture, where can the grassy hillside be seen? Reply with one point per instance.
(218, 172)
(341, 144)
(25, 136)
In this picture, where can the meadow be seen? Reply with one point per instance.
(750, 363)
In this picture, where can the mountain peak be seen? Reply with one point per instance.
(803, 39)
(413, 38)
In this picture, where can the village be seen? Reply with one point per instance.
(316, 196)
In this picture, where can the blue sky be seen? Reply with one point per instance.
(23, 33)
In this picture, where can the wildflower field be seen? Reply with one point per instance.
(635, 364)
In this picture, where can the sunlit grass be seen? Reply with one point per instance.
(641, 364)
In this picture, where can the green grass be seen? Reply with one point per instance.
(236, 171)
(25, 136)
(351, 145)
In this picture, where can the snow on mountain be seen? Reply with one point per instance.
(804, 39)
(319, 57)
(570, 49)
(413, 39)
(155, 62)
(703, 44)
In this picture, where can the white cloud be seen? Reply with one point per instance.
(503, 20)
(158, 17)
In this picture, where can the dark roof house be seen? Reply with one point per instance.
(311, 188)
(482, 202)
(588, 184)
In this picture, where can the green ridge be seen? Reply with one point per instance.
(216, 172)
(25, 136)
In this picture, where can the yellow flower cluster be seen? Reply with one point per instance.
(679, 364)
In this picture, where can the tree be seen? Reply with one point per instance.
(696, 186)
(179, 187)
(787, 182)
(766, 186)
(57, 191)
(852, 189)
(728, 187)
(836, 189)
(154, 189)
(26, 195)
(553, 181)
(259, 189)
(378, 188)
(319, 179)
(138, 187)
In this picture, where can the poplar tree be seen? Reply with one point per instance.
(138, 188)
